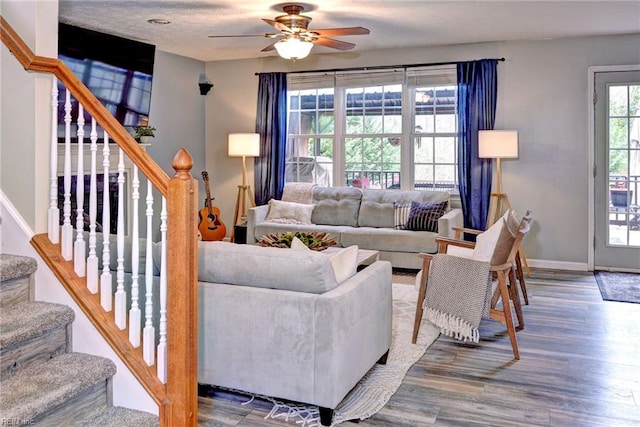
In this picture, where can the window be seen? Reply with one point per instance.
(393, 128)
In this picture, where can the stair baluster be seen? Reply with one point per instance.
(149, 333)
(53, 224)
(67, 229)
(162, 346)
(106, 288)
(120, 311)
(79, 247)
(134, 312)
(92, 260)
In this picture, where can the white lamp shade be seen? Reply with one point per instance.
(495, 144)
(244, 144)
(293, 48)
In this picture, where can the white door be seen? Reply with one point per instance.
(617, 170)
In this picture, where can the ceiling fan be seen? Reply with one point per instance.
(295, 39)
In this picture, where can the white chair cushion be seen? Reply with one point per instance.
(459, 251)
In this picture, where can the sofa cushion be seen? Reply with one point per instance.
(336, 205)
(390, 240)
(289, 212)
(378, 206)
(424, 216)
(275, 268)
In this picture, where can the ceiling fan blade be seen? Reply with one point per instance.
(267, 35)
(347, 31)
(277, 25)
(334, 44)
(271, 47)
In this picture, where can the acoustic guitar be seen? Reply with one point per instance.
(210, 227)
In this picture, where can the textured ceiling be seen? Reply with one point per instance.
(393, 24)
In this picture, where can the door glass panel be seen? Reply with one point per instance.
(623, 164)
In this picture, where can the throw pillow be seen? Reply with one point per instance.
(345, 263)
(400, 215)
(423, 216)
(289, 212)
(494, 245)
(297, 245)
(508, 235)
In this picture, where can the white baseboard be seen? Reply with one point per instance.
(9, 209)
(617, 270)
(558, 265)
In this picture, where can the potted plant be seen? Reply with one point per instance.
(144, 134)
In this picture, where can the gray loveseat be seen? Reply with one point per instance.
(275, 322)
(365, 218)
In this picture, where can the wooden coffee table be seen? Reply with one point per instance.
(365, 256)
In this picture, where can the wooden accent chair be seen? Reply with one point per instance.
(503, 272)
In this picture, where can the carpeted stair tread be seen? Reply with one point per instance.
(119, 417)
(22, 322)
(38, 389)
(15, 266)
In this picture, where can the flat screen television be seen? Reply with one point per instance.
(116, 70)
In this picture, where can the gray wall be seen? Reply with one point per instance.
(542, 93)
(25, 127)
(178, 114)
(177, 110)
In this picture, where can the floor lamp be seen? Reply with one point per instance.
(499, 144)
(243, 145)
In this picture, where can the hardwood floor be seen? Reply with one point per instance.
(579, 366)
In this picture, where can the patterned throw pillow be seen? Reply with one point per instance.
(400, 215)
(423, 216)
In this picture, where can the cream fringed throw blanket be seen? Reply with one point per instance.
(458, 295)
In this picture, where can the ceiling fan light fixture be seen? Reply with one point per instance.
(293, 48)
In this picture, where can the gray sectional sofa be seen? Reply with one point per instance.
(365, 217)
(276, 322)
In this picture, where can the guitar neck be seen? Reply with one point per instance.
(205, 178)
(209, 204)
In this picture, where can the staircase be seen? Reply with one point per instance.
(43, 382)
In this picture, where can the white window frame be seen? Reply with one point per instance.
(410, 78)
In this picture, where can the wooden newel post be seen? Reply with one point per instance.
(182, 293)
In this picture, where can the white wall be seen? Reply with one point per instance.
(542, 93)
(23, 132)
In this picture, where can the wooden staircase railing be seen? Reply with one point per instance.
(177, 399)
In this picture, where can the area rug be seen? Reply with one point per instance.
(381, 382)
(623, 287)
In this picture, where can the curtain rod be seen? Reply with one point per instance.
(380, 67)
